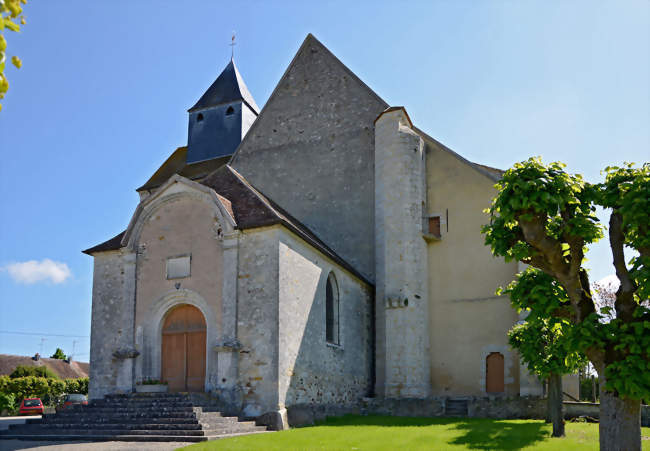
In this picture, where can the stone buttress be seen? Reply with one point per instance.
(403, 368)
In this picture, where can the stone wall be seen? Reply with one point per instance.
(257, 320)
(311, 151)
(311, 370)
(403, 368)
(485, 407)
(111, 337)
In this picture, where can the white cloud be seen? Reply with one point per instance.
(34, 271)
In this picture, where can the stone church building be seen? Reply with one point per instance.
(317, 251)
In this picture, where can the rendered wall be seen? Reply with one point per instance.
(311, 151)
(182, 223)
(111, 337)
(311, 370)
(467, 321)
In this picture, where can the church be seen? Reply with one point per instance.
(317, 251)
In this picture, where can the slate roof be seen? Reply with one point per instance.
(61, 368)
(250, 209)
(113, 244)
(176, 164)
(228, 87)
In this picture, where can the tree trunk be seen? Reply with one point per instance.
(620, 422)
(555, 406)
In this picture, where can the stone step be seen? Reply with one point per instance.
(103, 410)
(53, 431)
(127, 415)
(103, 420)
(94, 425)
(148, 397)
(159, 403)
(108, 438)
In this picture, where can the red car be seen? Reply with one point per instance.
(31, 406)
(75, 398)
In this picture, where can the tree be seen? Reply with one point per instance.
(10, 18)
(545, 217)
(544, 342)
(58, 354)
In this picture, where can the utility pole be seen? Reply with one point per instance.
(43, 340)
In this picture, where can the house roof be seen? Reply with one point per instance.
(228, 87)
(61, 368)
(176, 164)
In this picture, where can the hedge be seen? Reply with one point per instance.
(49, 390)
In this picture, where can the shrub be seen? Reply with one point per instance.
(36, 371)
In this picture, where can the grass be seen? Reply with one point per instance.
(405, 434)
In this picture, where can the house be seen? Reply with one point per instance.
(64, 369)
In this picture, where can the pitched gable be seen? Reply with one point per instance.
(311, 150)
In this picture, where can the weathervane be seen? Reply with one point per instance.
(232, 46)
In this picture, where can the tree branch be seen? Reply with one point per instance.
(624, 304)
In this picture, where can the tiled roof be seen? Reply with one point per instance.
(61, 368)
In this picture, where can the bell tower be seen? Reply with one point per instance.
(221, 117)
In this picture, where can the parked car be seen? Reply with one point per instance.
(75, 398)
(31, 406)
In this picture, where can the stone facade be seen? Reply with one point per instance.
(360, 201)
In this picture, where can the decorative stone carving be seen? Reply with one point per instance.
(126, 353)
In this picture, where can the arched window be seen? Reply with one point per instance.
(494, 373)
(230, 111)
(332, 310)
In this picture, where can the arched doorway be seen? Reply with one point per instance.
(183, 349)
(494, 373)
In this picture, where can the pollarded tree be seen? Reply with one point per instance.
(544, 342)
(545, 217)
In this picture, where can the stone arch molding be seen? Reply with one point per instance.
(149, 336)
(175, 188)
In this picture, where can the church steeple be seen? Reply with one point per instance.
(221, 117)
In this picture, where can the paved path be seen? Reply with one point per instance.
(12, 445)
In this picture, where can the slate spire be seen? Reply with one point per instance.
(221, 117)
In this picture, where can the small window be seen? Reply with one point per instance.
(199, 117)
(178, 267)
(230, 111)
(434, 226)
(332, 310)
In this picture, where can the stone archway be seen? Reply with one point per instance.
(183, 349)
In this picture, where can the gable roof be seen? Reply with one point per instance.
(177, 164)
(228, 87)
(61, 368)
(250, 209)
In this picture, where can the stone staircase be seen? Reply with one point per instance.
(173, 417)
(456, 407)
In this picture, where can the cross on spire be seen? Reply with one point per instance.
(232, 46)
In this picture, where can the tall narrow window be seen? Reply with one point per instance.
(332, 310)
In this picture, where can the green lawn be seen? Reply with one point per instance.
(406, 434)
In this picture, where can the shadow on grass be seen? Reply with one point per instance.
(499, 434)
(477, 433)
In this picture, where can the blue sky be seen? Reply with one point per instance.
(101, 101)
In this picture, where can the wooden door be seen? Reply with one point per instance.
(183, 349)
(494, 373)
